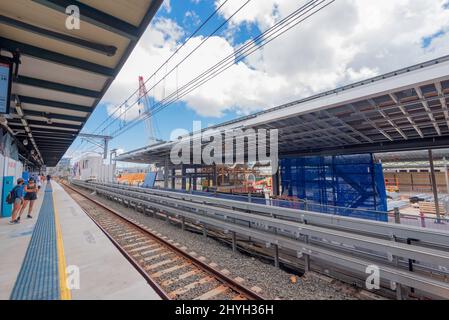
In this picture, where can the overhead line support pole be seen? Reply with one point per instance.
(434, 186)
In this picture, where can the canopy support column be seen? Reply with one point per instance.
(434, 186)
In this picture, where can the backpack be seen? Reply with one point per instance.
(11, 196)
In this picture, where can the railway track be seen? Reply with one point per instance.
(172, 272)
(343, 245)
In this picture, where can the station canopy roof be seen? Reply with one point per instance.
(399, 111)
(64, 73)
(412, 156)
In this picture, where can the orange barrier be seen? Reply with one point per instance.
(131, 178)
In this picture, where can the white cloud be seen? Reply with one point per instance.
(166, 5)
(349, 41)
(125, 113)
(192, 16)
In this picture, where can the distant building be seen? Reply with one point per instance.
(64, 163)
(62, 168)
(92, 167)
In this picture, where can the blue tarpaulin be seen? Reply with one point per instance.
(149, 180)
(347, 181)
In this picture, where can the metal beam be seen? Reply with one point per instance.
(46, 150)
(360, 113)
(312, 135)
(48, 147)
(53, 148)
(105, 141)
(379, 147)
(54, 104)
(347, 125)
(387, 117)
(372, 123)
(53, 133)
(42, 123)
(89, 45)
(40, 137)
(39, 83)
(48, 142)
(296, 135)
(95, 17)
(426, 127)
(434, 186)
(446, 174)
(443, 102)
(429, 111)
(305, 124)
(334, 128)
(52, 116)
(95, 136)
(55, 57)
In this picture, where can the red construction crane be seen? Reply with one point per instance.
(144, 103)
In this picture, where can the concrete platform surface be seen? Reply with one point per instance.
(95, 268)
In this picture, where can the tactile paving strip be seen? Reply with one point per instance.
(38, 278)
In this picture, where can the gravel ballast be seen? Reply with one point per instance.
(275, 283)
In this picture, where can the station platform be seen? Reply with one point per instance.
(62, 237)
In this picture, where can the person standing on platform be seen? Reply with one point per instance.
(38, 182)
(30, 197)
(17, 200)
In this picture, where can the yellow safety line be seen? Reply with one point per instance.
(64, 291)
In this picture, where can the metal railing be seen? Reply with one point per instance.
(421, 221)
(299, 204)
(343, 242)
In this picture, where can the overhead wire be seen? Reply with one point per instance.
(232, 58)
(193, 34)
(189, 54)
(125, 103)
(286, 24)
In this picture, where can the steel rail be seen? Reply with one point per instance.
(386, 230)
(414, 252)
(394, 275)
(345, 248)
(134, 263)
(198, 263)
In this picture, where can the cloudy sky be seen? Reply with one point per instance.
(348, 41)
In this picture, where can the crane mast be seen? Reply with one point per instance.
(144, 103)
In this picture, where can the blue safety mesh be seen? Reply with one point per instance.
(337, 185)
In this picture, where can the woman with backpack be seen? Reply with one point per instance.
(30, 197)
(15, 198)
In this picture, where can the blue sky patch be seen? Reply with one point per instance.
(427, 41)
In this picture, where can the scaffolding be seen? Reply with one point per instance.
(347, 181)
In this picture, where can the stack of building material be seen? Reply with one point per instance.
(430, 208)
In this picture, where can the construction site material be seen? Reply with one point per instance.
(416, 181)
(353, 181)
(131, 178)
(397, 204)
(430, 208)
